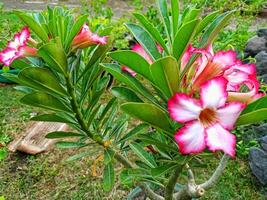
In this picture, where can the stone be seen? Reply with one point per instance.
(32, 140)
(263, 142)
(261, 63)
(258, 164)
(260, 131)
(262, 33)
(255, 45)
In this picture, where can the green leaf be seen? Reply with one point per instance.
(214, 28)
(254, 112)
(146, 41)
(108, 177)
(79, 156)
(33, 25)
(175, 15)
(54, 54)
(152, 30)
(163, 8)
(183, 38)
(19, 64)
(69, 145)
(141, 128)
(150, 140)
(44, 100)
(143, 155)
(191, 15)
(108, 156)
(206, 21)
(75, 30)
(134, 61)
(130, 81)
(125, 94)
(165, 74)
(54, 118)
(162, 170)
(62, 134)
(150, 114)
(41, 79)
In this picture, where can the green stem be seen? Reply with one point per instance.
(169, 190)
(78, 113)
(120, 158)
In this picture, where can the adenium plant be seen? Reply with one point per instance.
(187, 98)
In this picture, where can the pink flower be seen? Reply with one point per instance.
(17, 48)
(208, 120)
(139, 49)
(223, 63)
(86, 38)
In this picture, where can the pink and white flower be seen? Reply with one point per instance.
(86, 38)
(223, 63)
(140, 50)
(208, 120)
(17, 48)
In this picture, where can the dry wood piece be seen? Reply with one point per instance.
(33, 140)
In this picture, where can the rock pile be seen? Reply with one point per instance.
(256, 47)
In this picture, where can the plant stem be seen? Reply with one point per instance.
(77, 111)
(217, 173)
(171, 183)
(120, 158)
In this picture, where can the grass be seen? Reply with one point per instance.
(49, 176)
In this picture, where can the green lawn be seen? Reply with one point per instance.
(49, 176)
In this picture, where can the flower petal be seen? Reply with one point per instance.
(191, 138)
(130, 71)
(7, 56)
(226, 58)
(228, 115)
(213, 93)
(218, 138)
(183, 108)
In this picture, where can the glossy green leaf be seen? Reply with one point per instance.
(143, 155)
(33, 25)
(62, 134)
(134, 61)
(130, 81)
(150, 114)
(144, 38)
(69, 145)
(192, 14)
(206, 21)
(108, 177)
(165, 74)
(139, 129)
(79, 156)
(54, 118)
(175, 15)
(152, 30)
(108, 156)
(164, 13)
(44, 100)
(162, 170)
(75, 30)
(148, 139)
(214, 28)
(183, 38)
(41, 79)
(54, 54)
(126, 94)
(254, 112)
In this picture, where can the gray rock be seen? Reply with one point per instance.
(262, 33)
(256, 45)
(261, 63)
(263, 142)
(258, 164)
(260, 131)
